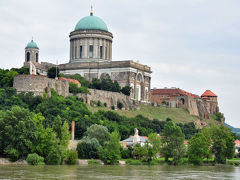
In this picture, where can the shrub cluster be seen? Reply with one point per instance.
(35, 159)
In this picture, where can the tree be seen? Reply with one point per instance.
(139, 151)
(173, 140)
(110, 153)
(155, 141)
(52, 72)
(17, 132)
(88, 148)
(198, 148)
(7, 78)
(99, 132)
(222, 143)
(126, 90)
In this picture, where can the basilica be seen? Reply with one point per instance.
(91, 57)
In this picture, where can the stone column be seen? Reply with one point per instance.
(86, 49)
(73, 130)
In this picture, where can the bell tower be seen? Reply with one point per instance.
(31, 52)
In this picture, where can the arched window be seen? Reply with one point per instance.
(28, 56)
(36, 57)
(146, 94)
(139, 77)
(182, 101)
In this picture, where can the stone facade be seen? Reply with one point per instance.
(40, 84)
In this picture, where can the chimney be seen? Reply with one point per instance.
(73, 129)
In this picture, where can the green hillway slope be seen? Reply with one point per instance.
(178, 115)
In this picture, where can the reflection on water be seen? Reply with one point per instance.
(118, 172)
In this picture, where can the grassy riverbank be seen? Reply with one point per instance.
(161, 161)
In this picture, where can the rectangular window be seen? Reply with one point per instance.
(101, 52)
(106, 53)
(75, 52)
(80, 52)
(91, 51)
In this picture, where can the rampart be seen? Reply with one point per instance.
(40, 84)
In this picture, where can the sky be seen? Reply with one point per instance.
(189, 44)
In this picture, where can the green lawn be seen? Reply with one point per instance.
(176, 114)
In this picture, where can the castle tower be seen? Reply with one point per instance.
(209, 95)
(90, 41)
(31, 52)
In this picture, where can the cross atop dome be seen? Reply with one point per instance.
(91, 12)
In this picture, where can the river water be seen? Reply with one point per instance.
(118, 172)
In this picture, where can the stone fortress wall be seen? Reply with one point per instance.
(198, 107)
(39, 84)
(110, 98)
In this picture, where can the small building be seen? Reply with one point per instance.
(133, 140)
(237, 146)
(173, 97)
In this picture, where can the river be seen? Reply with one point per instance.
(118, 172)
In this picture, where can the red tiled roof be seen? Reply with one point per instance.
(172, 92)
(208, 93)
(175, 91)
(237, 143)
(145, 137)
(71, 80)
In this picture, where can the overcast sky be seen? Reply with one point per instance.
(190, 44)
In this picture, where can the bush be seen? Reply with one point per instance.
(99, 104)
(52, 72)
(35, 159)
(126, 153)
(113, 107)
(237, 163)
(54, 157)
(73, 88)
(105, 104)
(71, 157)
(93, 161)
(120, 105)
(13, 154)
(126, 90)
(217, 116)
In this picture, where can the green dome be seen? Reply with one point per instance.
(32, 44)
(91, 23)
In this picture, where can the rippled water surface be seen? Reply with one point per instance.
(118, 172)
